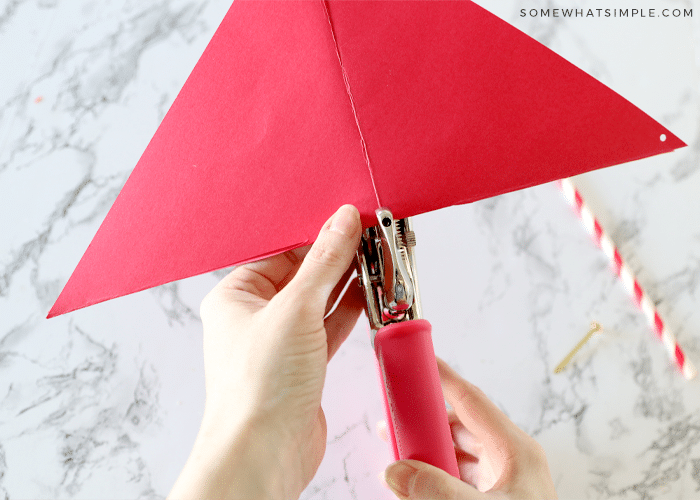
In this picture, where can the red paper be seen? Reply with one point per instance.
(296, 108)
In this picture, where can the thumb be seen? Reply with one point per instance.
(328, 258)
(414, 480)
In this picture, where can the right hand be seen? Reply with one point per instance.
(497, 460)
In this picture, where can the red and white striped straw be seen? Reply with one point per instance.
(623, 271)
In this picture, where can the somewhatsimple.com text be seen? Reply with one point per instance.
(636, 13)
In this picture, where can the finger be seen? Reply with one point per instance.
(327, 260)
(338, 289)
(462, 438)
(420, 481)
(261, 278)
(341, 322)
(468, 467)
(382, 431)
(467, 463)
(298, 254)
(479, 415)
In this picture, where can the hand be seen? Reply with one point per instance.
(266, 347)
(493, 454)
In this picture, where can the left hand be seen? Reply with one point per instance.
(266, 347)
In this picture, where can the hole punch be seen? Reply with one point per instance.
(663, 137)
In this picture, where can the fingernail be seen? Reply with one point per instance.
(345, 220)
(398, 476)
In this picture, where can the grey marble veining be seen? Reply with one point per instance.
(105, 402)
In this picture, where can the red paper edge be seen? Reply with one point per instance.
(53, 312)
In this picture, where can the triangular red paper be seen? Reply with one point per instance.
(296, 108)
(456, 105)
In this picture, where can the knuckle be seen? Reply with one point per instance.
(246, 280)
(466, 394)
(243, 282)
(326, 254)
(462, 396)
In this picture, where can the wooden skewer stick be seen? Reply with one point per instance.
(595, 327)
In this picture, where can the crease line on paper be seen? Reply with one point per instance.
(352, 102)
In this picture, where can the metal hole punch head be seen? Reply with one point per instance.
(387, 271)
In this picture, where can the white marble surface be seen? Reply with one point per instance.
(105, 402)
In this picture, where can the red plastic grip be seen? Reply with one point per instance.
(415, 407)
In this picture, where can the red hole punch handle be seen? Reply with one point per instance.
(415, 408)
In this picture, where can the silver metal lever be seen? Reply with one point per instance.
(387, 271)
(398, 282)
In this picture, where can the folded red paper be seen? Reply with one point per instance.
(297, 107)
